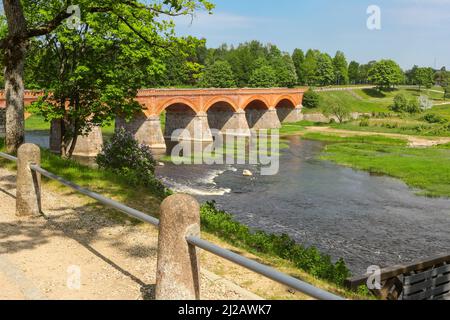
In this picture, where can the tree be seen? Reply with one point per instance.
(218, 75)
(442, 78)
(28, 19)
(424, 77)
(284, 70)
(311, 99)
(325, 70)
(364, 72)
(263, 77)
(340, 111)
(90, 75)
(385, 74)
(340, 68)
(353, 72)
(411, 75)
(308, 68)
(298, 57)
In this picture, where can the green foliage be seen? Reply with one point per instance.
(309, 67)
(402, 104)
(124, 156)
(385, 74)
(92, 72)
(340, 111)
(310, 259)
(298, 58)
(353, 72)
(263, 77)
(284, 70)
(325, 70)
(424, 77)
(341, 68)
(434, 118)
(311, 99)
(218, 75)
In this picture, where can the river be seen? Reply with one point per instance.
(367, 220)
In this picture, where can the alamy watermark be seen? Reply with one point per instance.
(74, 21)
(73, 277)
(374, 279)
(231, 147)
(374, 19)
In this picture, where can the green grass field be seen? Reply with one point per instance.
(371, 100)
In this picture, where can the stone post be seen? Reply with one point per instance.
(177, 275)
(28, 196)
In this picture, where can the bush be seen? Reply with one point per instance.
(434, 118)
(310, 260)
(311, 99)
(402, 104)
(126, 157)
(364, 122)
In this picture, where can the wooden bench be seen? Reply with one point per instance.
(423, 280)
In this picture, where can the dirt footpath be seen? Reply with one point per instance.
(413, 141)
(73, 252)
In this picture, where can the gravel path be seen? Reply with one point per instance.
(413, 141)
(41, 258)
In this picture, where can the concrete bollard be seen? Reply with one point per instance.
(28, 196)
(177, 275)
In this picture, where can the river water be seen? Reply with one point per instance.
(367, 220)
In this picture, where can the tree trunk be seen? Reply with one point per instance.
(15, 51)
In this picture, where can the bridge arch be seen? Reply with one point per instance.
(282, 101)
(177, 102)
(220, 100)
(256, 102)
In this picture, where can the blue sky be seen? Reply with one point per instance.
(412, 31)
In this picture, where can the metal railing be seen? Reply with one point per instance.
(247, 263)
(8, 157)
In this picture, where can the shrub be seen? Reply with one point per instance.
(364, 122)
(413, 106)
(434, 118)
(311, 99)
(400, 103)
(126, 157)
(310, 259)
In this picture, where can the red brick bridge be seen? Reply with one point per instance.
(227, 110)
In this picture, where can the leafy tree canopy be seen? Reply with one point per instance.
(385, 74)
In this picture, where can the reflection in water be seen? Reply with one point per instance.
(367, 220)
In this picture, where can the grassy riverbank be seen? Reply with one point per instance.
(424, 169)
